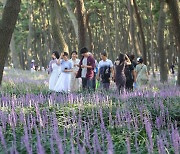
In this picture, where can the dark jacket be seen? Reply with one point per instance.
(90, 71)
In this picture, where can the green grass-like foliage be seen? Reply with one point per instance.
(34, 120)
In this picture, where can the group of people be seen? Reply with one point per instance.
(34, 67)
(67, 75)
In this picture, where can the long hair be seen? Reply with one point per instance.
(56, 54)
(121, 58)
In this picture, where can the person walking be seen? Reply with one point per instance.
(105, 71)
(95, 72)
(33, 66)
(134, 63)
(75, 82)
(130, 75)
(64, 81)
(172, 69)
(120, 77)
(53, 70)
(86, 69)
(141, 74)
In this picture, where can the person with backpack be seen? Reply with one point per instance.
(105, 70)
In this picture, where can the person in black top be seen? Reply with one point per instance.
(172, 69)
(130, 74)
(120, 77)
(131, 57)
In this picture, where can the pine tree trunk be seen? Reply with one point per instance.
(8, 22)
(142, 37)
(82, 28)
(171, 47)
(14, 53)
(174, 9)
(160, 42)
(132, 28)
(72, 17)
(55, 23)
(90, 42)
(152, 42)
(116, 25)
(30, 34)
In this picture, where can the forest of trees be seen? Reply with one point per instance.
(146, 28)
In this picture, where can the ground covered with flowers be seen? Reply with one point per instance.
(34, 120)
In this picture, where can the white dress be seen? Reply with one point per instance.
(54, 76)
(64, 81)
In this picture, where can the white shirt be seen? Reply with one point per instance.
(75, 62)
(102, 63)
(84, 70)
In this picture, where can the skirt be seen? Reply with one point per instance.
(64, 83)
(53, 80)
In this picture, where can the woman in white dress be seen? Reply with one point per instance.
(54, 70)
(64, 81)
(75, 82)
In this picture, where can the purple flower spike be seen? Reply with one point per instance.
(149, 132)
(128, 145)
(40, 149)
(96, 142)
(58, 142)
(110, 144)
(2, 138)
(175, 139)
(160, 145)
(52, 145)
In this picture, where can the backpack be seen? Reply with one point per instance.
(105, 73)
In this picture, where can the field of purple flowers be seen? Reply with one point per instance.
(32, 120)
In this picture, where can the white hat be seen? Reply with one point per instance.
(139, 59)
